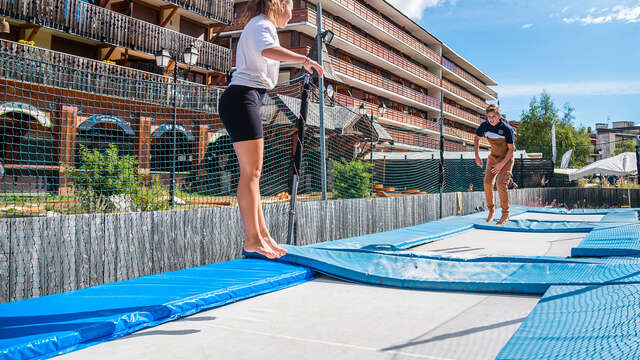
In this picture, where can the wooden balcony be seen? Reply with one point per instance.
(218, 10)
(380, 82)
(465, 75)
(463, 93)
(92, 22)
(50, 68)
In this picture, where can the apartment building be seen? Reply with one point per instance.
(381, 56)
(79, 72)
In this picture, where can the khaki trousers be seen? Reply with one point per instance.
(498, 153)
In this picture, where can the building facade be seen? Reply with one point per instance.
(610, 139)
(380, 55)
(84, 73)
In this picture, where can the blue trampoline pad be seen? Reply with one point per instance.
(57, 324)
(418, 272)
(580, 322)
(623, 240)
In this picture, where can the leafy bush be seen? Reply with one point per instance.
(102, 175)
(352, 179)
(105, 174)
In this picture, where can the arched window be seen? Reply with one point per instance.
(27, 136)
(98, 131)
(162, 148)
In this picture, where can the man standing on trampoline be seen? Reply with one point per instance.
(258, 58)
(500, 161)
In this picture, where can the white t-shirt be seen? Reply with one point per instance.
(253, 69)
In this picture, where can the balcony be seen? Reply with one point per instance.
(449, 65)
(366, 14)
(463, 93)
(379, 82)
(88, 21)
(373, 48)
(58, 70)
(452, 110)
(402, 118)
(423, 141)
(218, 10)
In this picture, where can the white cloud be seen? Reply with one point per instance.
(415, 8)
(617, 13)
(573, 88)
(526, 26)
(564, 9)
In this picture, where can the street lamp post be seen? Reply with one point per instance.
(382, 109)
(163, 57)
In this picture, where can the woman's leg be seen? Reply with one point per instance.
(250, 160)
(265, 233)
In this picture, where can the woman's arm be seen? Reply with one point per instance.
(279, 53)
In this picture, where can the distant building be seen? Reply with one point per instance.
(608, 139)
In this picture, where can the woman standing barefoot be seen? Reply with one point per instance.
(258, 58)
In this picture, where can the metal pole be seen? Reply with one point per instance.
(297, 160)
(323, 147)
(175, 127)
(371, 152)
(441, 149)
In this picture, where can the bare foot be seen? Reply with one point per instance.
(503, 220)
(274, 245)
(260, 246)
(490, 216)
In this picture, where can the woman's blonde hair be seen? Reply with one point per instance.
(267, 7)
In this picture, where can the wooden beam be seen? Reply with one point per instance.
(126, 57)
(218, 31)
(109, 53)
(168, 18)
(33, 34)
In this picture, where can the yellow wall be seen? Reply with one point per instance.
(42, 38)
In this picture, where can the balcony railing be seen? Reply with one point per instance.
(372, 47)
(461, 113)
(401, 117)
(50, 68)
(423, 141)
(380, 82)
(218, 10)
(99, 24)
(388, 27)
(463, 93)
(465, 75)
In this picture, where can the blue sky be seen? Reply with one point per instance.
(586, 53)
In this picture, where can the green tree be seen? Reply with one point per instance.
(625, 146)
(534, 132)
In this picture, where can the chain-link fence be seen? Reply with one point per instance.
(91, 153)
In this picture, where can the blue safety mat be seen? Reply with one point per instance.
(401, 238)
(431, 274)
(580, 322)
(540, 226)
(57, 324)
(623, 240)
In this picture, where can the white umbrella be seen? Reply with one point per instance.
(620, 165)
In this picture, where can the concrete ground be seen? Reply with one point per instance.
(330, 319)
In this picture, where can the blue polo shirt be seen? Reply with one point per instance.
(501, 130)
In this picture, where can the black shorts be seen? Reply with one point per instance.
(239, 109)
